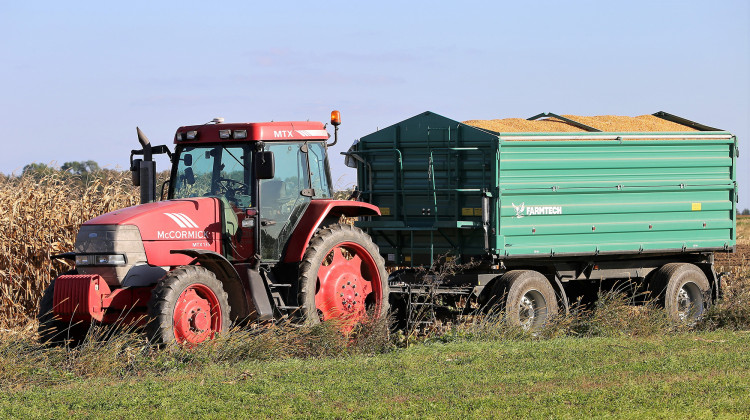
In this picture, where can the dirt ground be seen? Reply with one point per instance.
(741, 256)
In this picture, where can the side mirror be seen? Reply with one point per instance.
(188, 159)
(265, 167)
(135, 172)
(189, 176)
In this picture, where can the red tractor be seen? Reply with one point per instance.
(249, 232)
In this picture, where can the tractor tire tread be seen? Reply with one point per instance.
(309, 266)
(161, 306)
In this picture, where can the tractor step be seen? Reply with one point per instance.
(279, 285)
(289, 308)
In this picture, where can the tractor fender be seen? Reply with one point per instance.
(316, 213)
(227, 275)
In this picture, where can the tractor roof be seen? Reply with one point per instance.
(266, 131)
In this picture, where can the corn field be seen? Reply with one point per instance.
(40, 217)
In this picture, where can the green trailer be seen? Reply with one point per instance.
(542, 214)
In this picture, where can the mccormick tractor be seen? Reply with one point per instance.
(249, 231)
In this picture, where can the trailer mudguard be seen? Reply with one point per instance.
(316, 213)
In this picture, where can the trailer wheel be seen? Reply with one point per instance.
(187, 306)
(683, 290)
(530, 300)
(342, 276)
(53, 331)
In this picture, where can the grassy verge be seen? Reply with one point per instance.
(615, 358)
(684, 375)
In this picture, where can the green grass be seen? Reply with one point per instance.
(683, 375)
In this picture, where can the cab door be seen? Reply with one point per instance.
(284, 198)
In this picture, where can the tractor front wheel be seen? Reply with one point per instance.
(342, 276)
(188, 306)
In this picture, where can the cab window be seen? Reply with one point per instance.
(214, 171)
(319, 174)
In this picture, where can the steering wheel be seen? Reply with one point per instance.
(229, 187)
(228, 184)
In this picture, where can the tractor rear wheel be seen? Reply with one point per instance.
(52, 330)
(187, 306)
(342, 276)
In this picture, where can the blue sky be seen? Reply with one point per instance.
(78, 77)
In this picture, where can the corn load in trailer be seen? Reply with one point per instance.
(548, 208)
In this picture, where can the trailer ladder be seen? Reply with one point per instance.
(420, 305)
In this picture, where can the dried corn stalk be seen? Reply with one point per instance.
(40, 218)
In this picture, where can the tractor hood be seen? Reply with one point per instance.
(190, 219)
(145, 236)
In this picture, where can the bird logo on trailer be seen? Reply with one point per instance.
(519, 209)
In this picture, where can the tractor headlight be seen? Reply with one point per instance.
(100, 259)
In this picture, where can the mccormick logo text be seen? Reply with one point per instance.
(183, 234)
(185, 222)
(522, 210)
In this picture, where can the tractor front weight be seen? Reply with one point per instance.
(87, 298)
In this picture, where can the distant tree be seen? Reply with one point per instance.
(82, 169)
(746, 212)
(38, 170)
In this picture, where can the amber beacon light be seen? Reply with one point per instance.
(335, 118)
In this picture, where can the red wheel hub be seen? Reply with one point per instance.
(348, 284)
(197, 315)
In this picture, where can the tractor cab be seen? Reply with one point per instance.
(263, 174)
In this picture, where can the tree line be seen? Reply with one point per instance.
(83, 170)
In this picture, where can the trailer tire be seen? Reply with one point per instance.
(683, 290)
(54, 332)
(342, 276)
(188, 306)
(530, 300)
